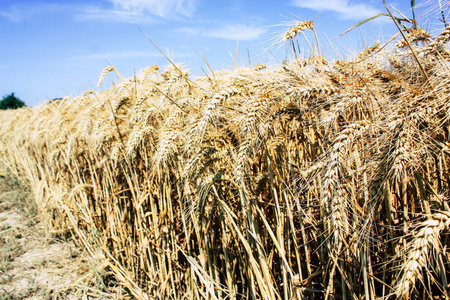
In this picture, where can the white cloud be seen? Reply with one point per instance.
(161, 8)
(230, 32)
(128, 11)
(345, 8)
(233, 32)
(140, 11)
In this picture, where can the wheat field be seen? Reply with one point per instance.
(312, 179)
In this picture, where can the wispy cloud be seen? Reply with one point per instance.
(140, 11)
(160, 8)
(230, 32)
(14, 14)
(345, 9)
(112, 15)
(22, 12)
(113, 55)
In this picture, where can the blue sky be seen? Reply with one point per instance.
(51, 49)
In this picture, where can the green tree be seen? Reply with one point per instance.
(11, 102)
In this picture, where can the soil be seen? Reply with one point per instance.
(36, 265)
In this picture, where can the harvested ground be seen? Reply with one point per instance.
(35, 265)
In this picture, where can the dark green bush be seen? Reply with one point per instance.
(11, 102)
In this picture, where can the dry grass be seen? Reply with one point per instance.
(35, 264)
(316, 179)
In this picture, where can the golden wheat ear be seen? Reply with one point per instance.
(415, 35)
(299, 27)
(105, 72)
(150, 70)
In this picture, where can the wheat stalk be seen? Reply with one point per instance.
(296, 181)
